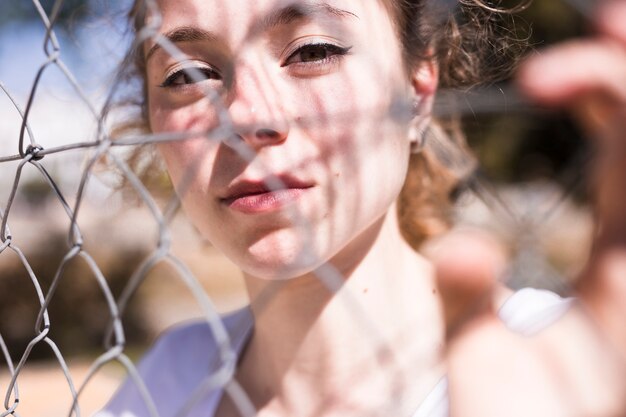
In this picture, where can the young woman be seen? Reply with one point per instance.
(303, 117)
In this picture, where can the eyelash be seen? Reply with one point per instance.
(332, 51)
(208, 73)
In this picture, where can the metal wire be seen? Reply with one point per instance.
(31, 154)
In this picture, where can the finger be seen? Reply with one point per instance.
(565, 74)
(609, 183)
(603, 291)
(467, 266)
(610, 19)
(567, 70)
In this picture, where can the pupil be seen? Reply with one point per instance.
(189, 79)
(314, 54)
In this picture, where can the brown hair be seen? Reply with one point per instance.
(472, 41)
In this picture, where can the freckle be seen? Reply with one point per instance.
(434, 291)
(365, 290)
(384, 356)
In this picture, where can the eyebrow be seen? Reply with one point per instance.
(300, 11)
(280, 17)
(182, 34)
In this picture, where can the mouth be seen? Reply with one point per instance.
(253, 197)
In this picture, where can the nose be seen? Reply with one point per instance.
(255, 110)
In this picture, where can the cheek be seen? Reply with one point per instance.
(362, 151)
(189, 164)
(183, 155)
(166, 115)
(353, 119)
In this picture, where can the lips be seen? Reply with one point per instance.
(252, 197)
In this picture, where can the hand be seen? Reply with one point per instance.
(577, 366)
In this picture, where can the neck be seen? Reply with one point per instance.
(315, 337)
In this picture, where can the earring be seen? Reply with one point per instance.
(418, 128)
(417, 137)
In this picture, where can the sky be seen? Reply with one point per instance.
(91, 52)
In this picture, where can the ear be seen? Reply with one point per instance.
(424, 82)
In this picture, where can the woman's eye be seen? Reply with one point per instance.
(190, 76)
(315, 53)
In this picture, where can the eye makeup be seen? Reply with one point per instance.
(315, 52)
(187, 73)
(314, 57)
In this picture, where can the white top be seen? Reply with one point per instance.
(184, 358)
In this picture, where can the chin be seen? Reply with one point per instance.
(279, 269)
(279, 257)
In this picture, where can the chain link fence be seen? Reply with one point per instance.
(525, 214)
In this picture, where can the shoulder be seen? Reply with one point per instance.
(178, 362)
(195, 342)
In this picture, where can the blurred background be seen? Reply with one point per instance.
(533, 160)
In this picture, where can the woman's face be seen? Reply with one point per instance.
(312, 91)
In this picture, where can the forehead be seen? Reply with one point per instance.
(238, 19)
